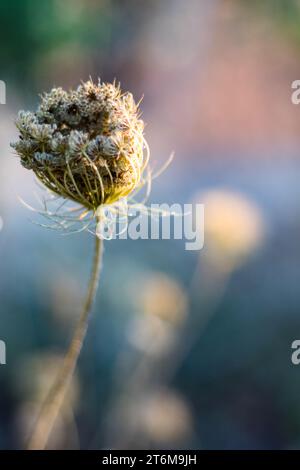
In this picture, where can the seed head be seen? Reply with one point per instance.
(86, 145)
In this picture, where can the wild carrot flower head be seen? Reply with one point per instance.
(86, 145)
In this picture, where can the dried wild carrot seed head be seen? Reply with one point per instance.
(85, 144)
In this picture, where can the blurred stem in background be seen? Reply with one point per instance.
(54, 401)
(164, 335)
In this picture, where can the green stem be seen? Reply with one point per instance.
(55, 398)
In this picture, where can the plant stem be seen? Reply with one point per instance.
(55, 398)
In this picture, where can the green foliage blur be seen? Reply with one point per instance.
(285, 14)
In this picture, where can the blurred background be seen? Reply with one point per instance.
(186, 349)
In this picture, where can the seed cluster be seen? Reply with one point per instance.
(85, 144)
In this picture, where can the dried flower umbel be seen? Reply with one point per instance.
(86, 145)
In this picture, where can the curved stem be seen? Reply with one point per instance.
(57, 393)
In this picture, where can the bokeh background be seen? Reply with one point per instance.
(186, 350)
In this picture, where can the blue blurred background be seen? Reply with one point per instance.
(186, 349)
